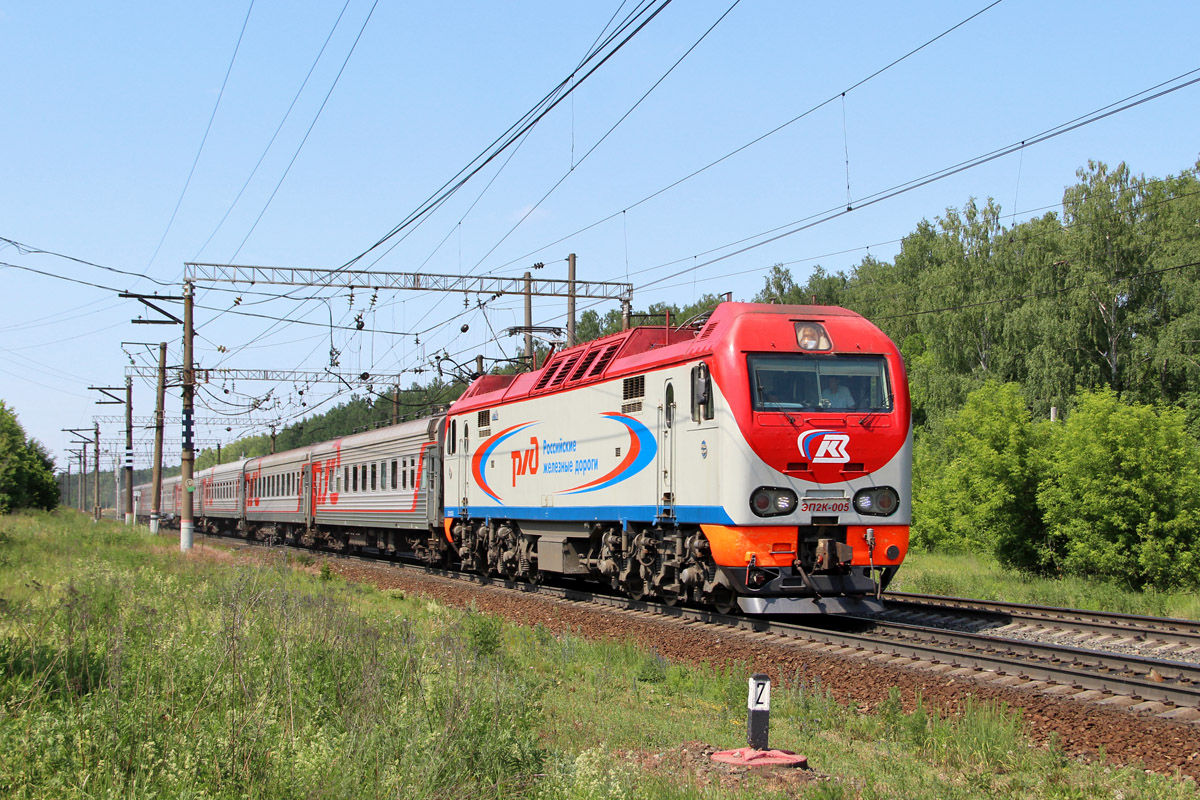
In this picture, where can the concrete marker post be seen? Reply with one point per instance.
(758, 708)
(758, 726)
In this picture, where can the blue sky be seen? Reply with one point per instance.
(105, 106)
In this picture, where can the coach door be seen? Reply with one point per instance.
(666, 452)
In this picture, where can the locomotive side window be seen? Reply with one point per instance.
(453, 435)
(785, 382)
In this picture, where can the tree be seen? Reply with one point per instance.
(1122, 494)
(1108, 251)
(26, 470)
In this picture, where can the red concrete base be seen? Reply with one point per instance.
(749, 757)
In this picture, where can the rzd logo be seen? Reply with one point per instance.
(830, 450)
(525, 462)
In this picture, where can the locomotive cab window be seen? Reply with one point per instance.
(794, 382)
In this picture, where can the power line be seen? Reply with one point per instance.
(275, 135)
(514, 132)
(932, 177)
(307, 132)
(204, 139)
(757, 139)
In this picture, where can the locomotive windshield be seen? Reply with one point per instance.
(795, 382)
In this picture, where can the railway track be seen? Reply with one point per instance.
(932, 640)
(1154, 637)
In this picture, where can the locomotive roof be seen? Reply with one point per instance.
(632, 351)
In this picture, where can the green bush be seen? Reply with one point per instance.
(1113, 492)
(975, 479)
(1121, 498)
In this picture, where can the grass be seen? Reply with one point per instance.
(982, 577)
(128, 670)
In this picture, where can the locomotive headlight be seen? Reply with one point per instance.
(769, 501)
(880, 501)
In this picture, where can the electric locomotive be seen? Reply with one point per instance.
(758, 460)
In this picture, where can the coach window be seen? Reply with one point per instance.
(393, 473)
(354, 485)
(412, 475)
(374, 467)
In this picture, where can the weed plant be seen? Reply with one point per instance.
(127, 670)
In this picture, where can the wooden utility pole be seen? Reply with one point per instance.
(272, 439)
(187, 457)
(396, 404)
(571, 300)
(159, 413)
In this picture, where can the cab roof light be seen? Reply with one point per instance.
(811, 337)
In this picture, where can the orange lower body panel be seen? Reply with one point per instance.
(775, 545)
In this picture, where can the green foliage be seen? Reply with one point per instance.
(1122, 494)
(1114, 492)
(26, 470)
(976, 476)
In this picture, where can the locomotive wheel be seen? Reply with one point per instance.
(634, 588)
(724, 600)
(511, 569)
(671, 598)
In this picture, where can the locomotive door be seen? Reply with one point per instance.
(666, 452)
(460, 462)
